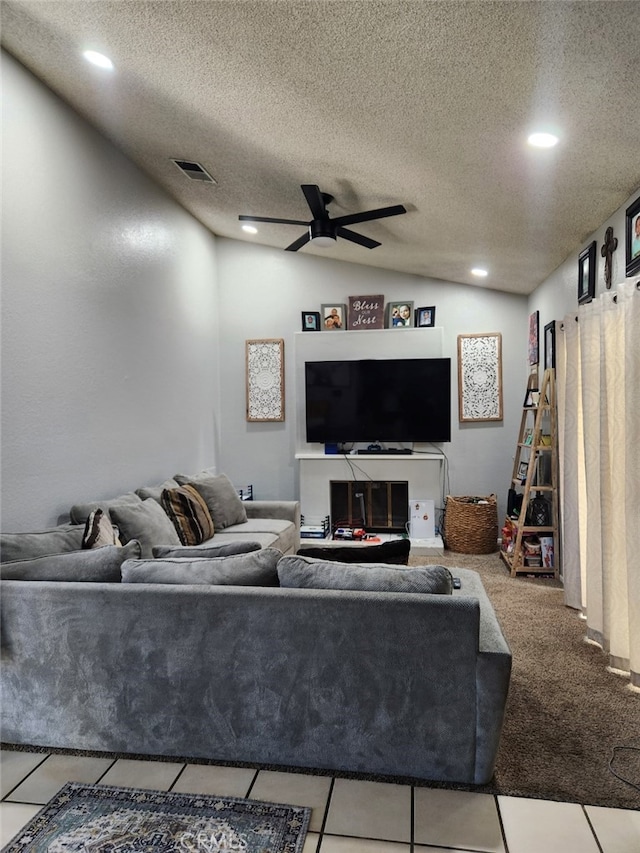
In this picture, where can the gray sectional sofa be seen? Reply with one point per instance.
(395, 683)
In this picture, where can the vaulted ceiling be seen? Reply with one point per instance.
(378, 102)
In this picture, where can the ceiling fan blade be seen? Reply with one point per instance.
(315, 201)
(367, 215)
(299, 243)
(356, 238)
(270, 219)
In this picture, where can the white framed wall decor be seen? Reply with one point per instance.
(480, 377)
(265, 379)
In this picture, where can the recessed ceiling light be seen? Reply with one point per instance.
(98, 59)
(480, 272)
(542, 140)
(249, 229)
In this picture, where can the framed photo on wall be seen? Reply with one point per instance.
(550, 345)
(587, 274)
(425, 317)
(633, 238)
(333, 317)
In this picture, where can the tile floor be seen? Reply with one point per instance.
(348, 816)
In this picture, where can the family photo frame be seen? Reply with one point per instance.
(334, 317)
(587, 274)
(425, 317)
(310, 321)
(399, 315)
(632, 231)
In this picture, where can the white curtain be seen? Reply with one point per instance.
(598, 375)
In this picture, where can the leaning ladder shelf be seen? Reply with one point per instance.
(535, 472)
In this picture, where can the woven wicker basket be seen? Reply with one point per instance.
(471, 527)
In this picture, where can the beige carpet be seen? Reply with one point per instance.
(565, 713)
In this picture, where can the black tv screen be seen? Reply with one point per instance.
(378, 400)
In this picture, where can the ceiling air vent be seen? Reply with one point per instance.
(194, 171)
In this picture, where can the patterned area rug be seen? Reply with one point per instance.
(105, 819)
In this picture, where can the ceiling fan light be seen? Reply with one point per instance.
(322, 234)
(323, 242)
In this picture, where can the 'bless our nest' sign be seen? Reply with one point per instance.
(366, 312)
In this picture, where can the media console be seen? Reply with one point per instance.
(423, 473)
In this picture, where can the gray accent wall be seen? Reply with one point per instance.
(124, 324)
(263, 292)
(109, 317)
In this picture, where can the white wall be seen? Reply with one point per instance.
(109, 323)
(558, 295)
(263, 292)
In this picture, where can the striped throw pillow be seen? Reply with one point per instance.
(187, 510)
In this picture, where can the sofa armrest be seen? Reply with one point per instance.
(285, 510)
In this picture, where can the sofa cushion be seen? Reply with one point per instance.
(79, 513)
(188, 512)
(145, 521)
(309, 573)
(155, 492)
(99, 531)
(55, 540)
(395, 552)
(255, 569)
(221, 498)
(207, 549)
(95, 565)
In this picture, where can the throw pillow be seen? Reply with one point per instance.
(55, 540)
(97, 565)
(207, 550)
(187, 510)
(155, 492)
(395, 552)
(79, 513)
(305, 572)
(221, 498)
(256, 569)
(99, 531)
(145, 521)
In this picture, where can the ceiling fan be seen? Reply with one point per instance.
(324, 230)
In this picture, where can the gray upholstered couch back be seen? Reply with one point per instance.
(385, 683)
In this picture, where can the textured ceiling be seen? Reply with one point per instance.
(425, 104)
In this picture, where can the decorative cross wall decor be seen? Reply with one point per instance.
(606, 250)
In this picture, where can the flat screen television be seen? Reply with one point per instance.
(378, 400)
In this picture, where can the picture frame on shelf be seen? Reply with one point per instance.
(632, 231)
(550, 345)
(310, 321)
(531, 398)
(333, 317)
(523, 470)
(587, 274)
(425, 317)
(399, 315)
(534, 338)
